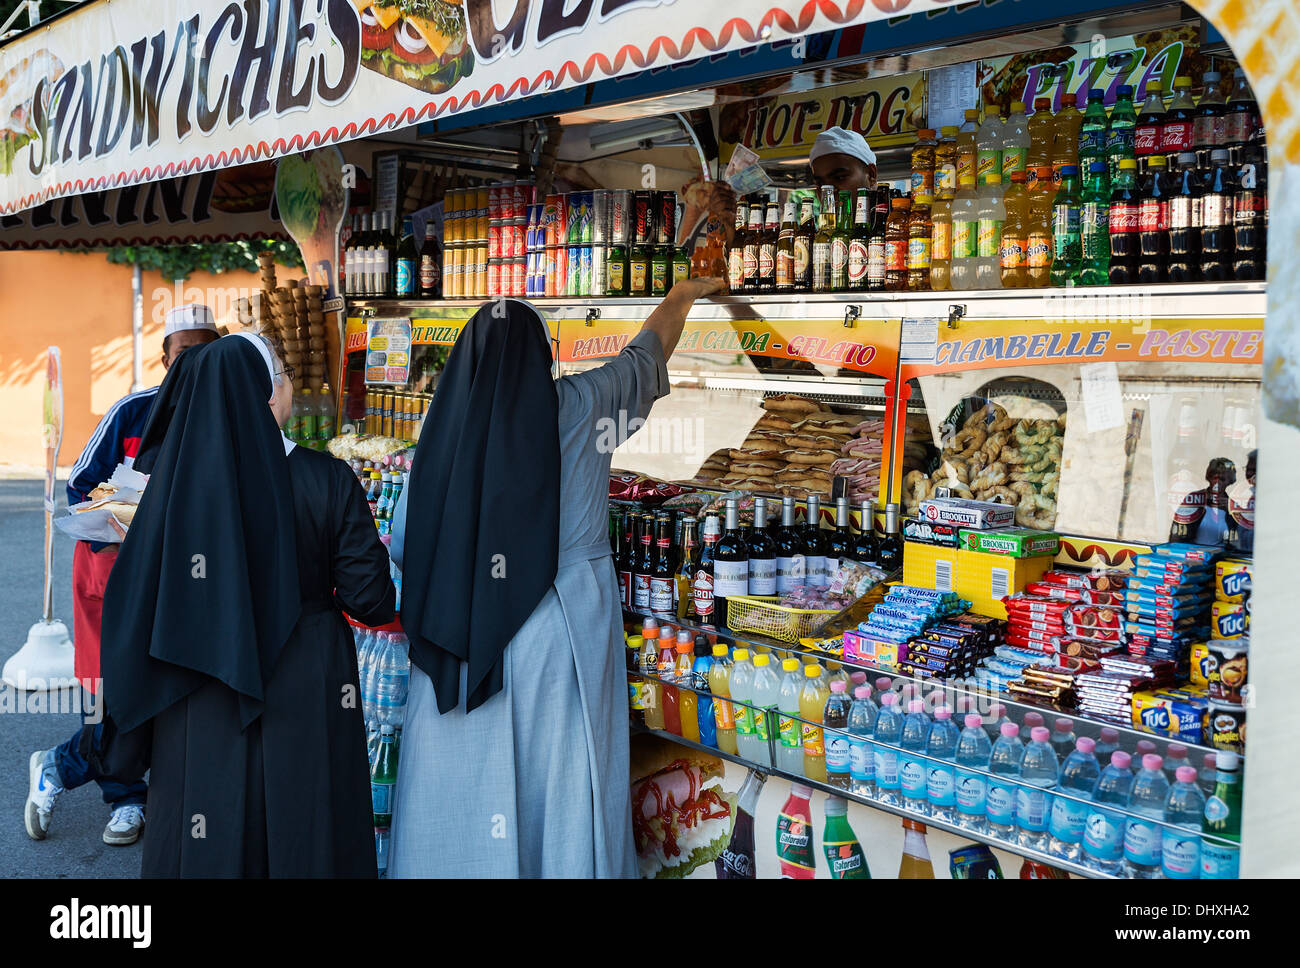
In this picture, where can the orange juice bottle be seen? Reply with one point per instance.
(720, 685)
(654, 710)
(668, 672)
(1065, 137)
(686, 699)
(915, 864)
(812, 704)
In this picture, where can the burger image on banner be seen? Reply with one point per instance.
(422, 43)
(678, 822)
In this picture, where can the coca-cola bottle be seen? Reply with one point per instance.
(1124, 244)
(1149, 134)
(1250, 216)
(1216, 219)
(1207, 129)
(1176, 135)
(1242, 119)
(1185, 221)
(1153, 222)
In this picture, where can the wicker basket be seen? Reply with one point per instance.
(762, 614)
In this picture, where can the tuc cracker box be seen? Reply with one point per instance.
(1179, 714)
(1228, 620)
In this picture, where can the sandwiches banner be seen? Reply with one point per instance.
(132, 91)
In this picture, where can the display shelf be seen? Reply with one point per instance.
(954, 688)
(898, 811)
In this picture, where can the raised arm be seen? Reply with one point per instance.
(669, 317)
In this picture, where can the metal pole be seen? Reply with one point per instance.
(137, 330)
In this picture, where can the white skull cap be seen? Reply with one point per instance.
(839, 141)
(188, 316)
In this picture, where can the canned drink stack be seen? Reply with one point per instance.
(600, 217)
(643, 217)
(665, 217)
(621, 216)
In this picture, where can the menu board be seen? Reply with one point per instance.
(388, 350)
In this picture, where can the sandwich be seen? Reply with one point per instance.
(422, 43)
(791, 404)
(775, 421)
(679, 819)
(19, 116)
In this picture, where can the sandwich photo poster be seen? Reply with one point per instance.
(142, 90)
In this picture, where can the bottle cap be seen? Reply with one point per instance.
(812, 670)
(683, 636)
(1216, 155)
(900, 203)
(1019, 176)
(914, 825)
(925, 132)
(761, 661)
(967, 180)
(1126, 164)
(973, 721)
(925, 199)
(943, 712)
(883, 683)
(1097, 166)
(1186, 158)
(1145, 746)
(1039, 734)
(1185, 774)
(1124, 90)
(1096, 94)
(1152, 762)
(1064, 725)
(1033, 719)
(949, 131)
(702, 647)
(837, 686)
(998, 711)
(916, 705)
(741, 655)
(1210, 77)
(1017, 107)
(1009, 730)
(1069, 170)
(1226, 760)
(1042, 104)
(862, 692)
(719, 651)
(685, 647)
(1182, 82)
(889, 699)
(1209, 761)
(1156, 161)
(1176, 751)
(972, 113)
(858, 678)
(835, 806)
(1085, 744)
(1120, 760)
(790, 665)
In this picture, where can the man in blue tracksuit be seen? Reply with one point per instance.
(115, 441)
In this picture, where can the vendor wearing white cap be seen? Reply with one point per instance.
(115, 441)
(843, 159)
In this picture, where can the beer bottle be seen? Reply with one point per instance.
(918, 244)
(840, 241)
(762, 552)
(814, 545)
(864, 546)
(623, 560)
(1185, 220)
(876, 242)
(1122, 225)
(1216, 219)
(407, 262)
(684, 600)
(890, 553)
(661, 576)
(730, 565)
(896, 244)
(645, 565)
(702, 579)
(785, 249)
(753, 242)
(767, 249)
(839, 544)
(803, 247)
(789, 550)
(736, 254)
(1153, 223)
(821, 248)
(430, 265)
(859, 241)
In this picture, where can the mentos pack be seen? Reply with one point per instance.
(1228, 620)
(1232, 580)
(1176, 713)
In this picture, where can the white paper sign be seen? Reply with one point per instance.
(1103, 407)
(920, 337)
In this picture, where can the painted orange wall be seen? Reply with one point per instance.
(81, 303)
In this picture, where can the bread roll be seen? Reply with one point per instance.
(790, 403)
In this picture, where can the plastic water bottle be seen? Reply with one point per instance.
(1027, 727)
(766, 688)
(1063, 738)
(835, 720)
(941, 779)
(789, 751)
(392, 679)
(1142, 838)
(1180, 848)
(912, 770)
(889, 729)
(1175, 757)
(1209, 774)
(997, 716)
(862, 757)
(1103, 837)
(1107, 744)
(1039, 772)
(742, 692)
(973, 752)
(1079, 776)
(1004, 761)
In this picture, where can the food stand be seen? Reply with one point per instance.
(1143, 381)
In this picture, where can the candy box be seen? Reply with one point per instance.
(931, 532)
(1228, 621)
(1232, 580)
(1175, 713)
(1014, 542)
(967, 514)
(870, 649)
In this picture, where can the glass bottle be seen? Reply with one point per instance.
(896, 244)
(919, 241)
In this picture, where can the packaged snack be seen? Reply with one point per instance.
(1227, 726)
(1226, 669)
(1232, 580)
(1099, 580)
(1200, 664)
(1013, 542)
(1228, 621)
(931, 532)
(967, 514)
(1172, 713)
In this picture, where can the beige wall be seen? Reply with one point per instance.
(82, 304)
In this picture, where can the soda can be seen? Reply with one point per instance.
(973, 863)
(550, 220)
(665, 217)
(494, 277)
(589, 217)
(452, 275)
(562, 216)
(534, 227)
(562, 269)
(598, 257)
(482, 213)
(519, 238)
(518, 205)
(518, 272)
(643, 217)
(600, 216)
(620, 216)
(494, 203)
(494, 240)
(531, 275)
(584, 273)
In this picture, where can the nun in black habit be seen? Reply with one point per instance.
(223, 634)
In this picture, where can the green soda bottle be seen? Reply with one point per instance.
(1092, 130)
(1067, 244)
(383, 777)
(1221, 843)
(1094, 226)
(844, 854)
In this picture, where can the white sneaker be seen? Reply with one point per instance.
(124, 825)
(43, 789)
